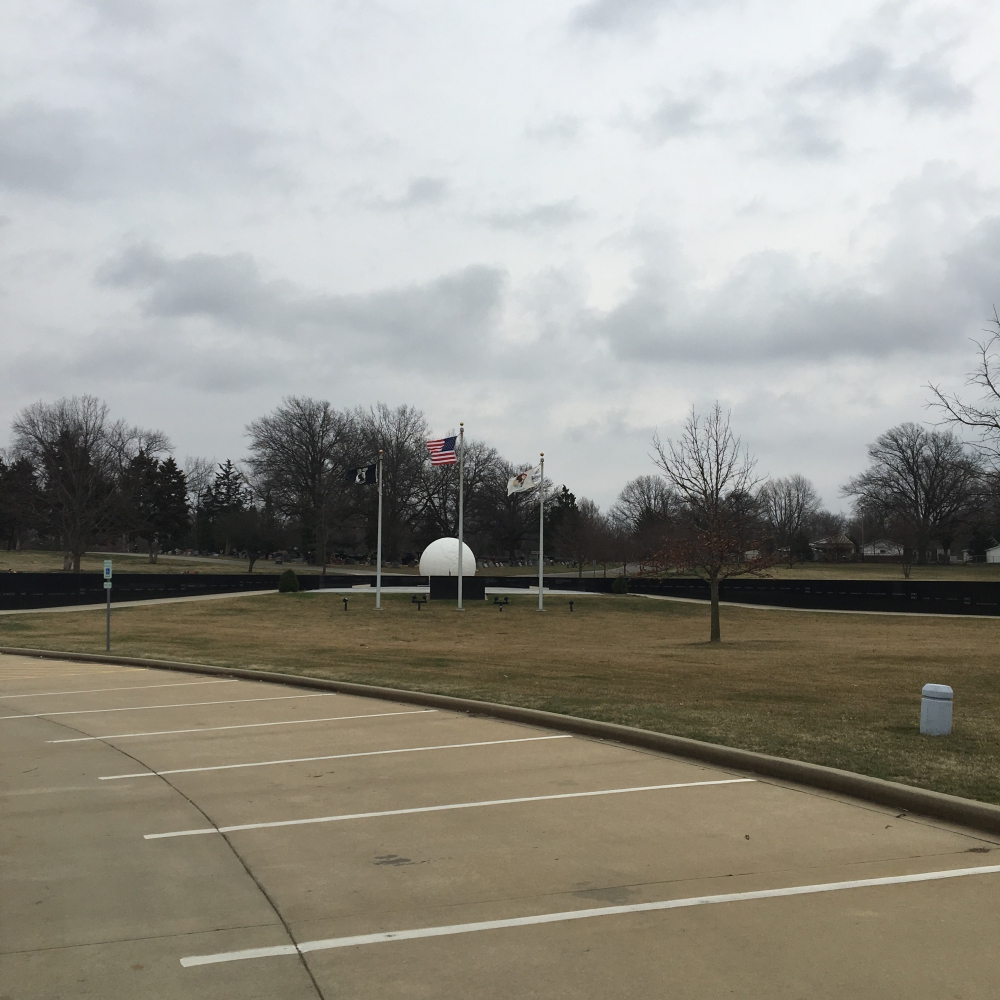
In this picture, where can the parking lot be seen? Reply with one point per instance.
(171, 835)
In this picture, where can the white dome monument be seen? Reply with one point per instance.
(440, 558)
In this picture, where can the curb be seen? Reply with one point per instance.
(951, 808)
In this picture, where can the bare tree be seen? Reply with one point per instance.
(580, 533)
(922, 481)
(788, 505)
(982, 416)
(199, 473)
(640, 516)
(401, 434)
(713, 476)
(81, 456)
(297, 461)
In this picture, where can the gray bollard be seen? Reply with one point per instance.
(935, 710)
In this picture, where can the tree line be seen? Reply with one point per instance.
(75, 479)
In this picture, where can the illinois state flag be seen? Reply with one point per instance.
(443, 450)
(524, 481)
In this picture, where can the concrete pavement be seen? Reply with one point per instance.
(385, 850)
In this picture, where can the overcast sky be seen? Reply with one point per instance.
(563, 223)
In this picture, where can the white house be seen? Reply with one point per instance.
(993, 555)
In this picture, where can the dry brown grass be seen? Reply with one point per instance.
(47, 561)
(836, 689)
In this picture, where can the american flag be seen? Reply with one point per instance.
(443, 450)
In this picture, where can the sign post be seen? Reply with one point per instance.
(107, 590)
(541, 531)
(461, 506)
(378, 555)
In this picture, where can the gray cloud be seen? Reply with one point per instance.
(611, 16)
(43, 149)
(923, 85)
(804, 135)
(768, 309)
(675, 117)
(926, 85)
(421, 192)
(455, 312)
(551, 215)
(562, 130)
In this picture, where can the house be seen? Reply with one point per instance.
(834, 548)
(883, 547)
(993, 554)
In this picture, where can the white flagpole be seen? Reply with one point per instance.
(541, 532)
(378, 558)
(461, 502)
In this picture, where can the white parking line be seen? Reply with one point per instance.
(246, 725)
(333, 756)
(187, 704)
(130, 687)
(552, 918)
(444, 808)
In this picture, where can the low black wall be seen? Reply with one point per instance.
(22, 591)
(445, 588)
(937, 597)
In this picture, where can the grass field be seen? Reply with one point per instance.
(39, 561)
(836, 689)
(44, 561)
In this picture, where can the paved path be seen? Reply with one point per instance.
(167, 835)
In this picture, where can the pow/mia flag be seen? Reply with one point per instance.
(366, 474)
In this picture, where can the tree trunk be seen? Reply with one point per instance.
(77, 556)
(251, 558)
(716, 630)
(67, 561)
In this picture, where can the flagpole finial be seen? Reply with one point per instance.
(541, 454)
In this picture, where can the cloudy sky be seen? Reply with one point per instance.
(564, 223)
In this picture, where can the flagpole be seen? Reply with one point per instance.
(461, 502)
(378, 558)
(541, 532)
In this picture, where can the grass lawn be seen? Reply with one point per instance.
(42, 561)
(836, 689)
(46, 561)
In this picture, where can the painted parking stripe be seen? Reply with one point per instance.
(445, 808)
(554, 918)
(130, 687)
(187, 704)
(245, 725)
(333, 756)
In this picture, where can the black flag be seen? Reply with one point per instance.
(366, 474)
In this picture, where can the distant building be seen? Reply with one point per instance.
(884, 548)
(993, 555)
(834, 548)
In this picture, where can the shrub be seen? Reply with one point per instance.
(288, 582)
(620, 585)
